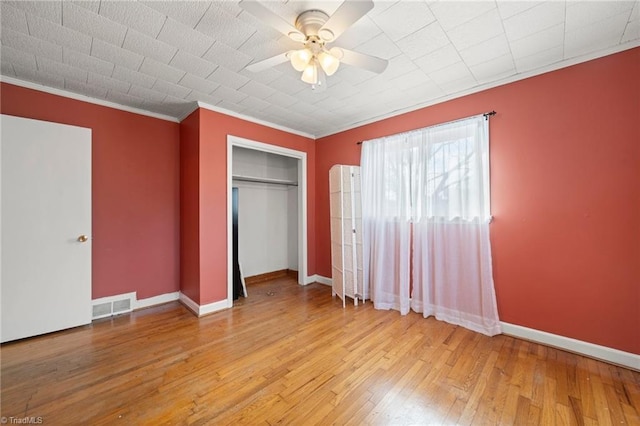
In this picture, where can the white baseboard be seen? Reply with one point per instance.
(614, 356)
(318, 279)
(201, 310)
(157, 300)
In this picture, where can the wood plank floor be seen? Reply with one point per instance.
(291, 355)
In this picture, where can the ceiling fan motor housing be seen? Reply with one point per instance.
(310, 22)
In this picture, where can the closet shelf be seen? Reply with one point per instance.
(265, 180)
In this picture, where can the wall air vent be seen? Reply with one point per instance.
(113, 305)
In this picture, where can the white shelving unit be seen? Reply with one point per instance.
(346, 233)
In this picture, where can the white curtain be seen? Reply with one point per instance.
(426, 213)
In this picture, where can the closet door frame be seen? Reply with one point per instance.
(235, 141)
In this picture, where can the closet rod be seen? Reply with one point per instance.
(265, 180)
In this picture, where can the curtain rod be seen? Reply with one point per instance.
(486, 116)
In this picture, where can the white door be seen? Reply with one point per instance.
(46, 227)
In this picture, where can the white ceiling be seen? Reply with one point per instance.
(162, 56)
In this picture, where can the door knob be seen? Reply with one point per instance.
(83, 238)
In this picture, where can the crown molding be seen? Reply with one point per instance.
(83, 98)
(252, 120)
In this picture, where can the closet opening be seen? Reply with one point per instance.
(270, 211)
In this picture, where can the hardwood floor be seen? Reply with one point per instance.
(292, 355)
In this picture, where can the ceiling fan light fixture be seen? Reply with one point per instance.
(310, 73)
(300, 59)
(296, 36)
(326, 34)
(328, 62)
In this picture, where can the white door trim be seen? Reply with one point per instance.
(302, 204)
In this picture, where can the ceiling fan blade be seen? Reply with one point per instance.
(268, 63)
(360, 60)
(345, 16)
(270, 18)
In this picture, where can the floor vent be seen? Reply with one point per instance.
(113, 305)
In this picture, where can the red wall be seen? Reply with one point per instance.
(135, 205)
(190, 206)
(565, 190)
(212, 195)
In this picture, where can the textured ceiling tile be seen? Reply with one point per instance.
(125, 99)
(228, 78)
(539, 60)
(380, 46)
(259, 25)
(197, 96)
(404, 18)
(185, 38)
(108, 82)
(282, 99)
(452, 14)
(147, 46)
(477, 30)
(400, 65)
(260, 47)
(198, 84)
(256, 89)
(14, 18)
(18, 57)
(508, 8)
(92, 5)
(456, 86)
(411, 79)
(50, 10)
(187, 12)
(423, 93)
(538, 42)
(485, 51)
(341, 90)
(170, 89)
(424, 41)
(265, 77)
(133, 77)
(117, 55)
(453, 72)
(289, 84)
(38, 77)
(7, 69)
(158, 69)
(85, 89)
(354, 75)
(33, 45)
(86, 62)
(232, 59)
(229, 94)
(495, 69)
(632, 31)
(135, 15)
(438, 59)
(595, 36)
(230, 106)
(531, 21)
(66, 37)
(86, 22)
(192, 64)
(61, 70)
(580, 14)
(254, 103)
(148, 95)
(224, 27)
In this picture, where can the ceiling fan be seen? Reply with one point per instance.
(315, 29)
